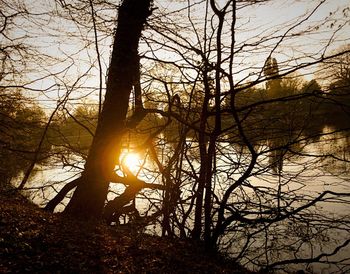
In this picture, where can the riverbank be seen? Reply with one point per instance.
(35, 241)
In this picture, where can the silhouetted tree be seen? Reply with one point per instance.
(89, 198)
(207, 156)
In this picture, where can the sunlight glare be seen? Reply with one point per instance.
(131, 160)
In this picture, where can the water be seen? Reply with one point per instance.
(317, 167)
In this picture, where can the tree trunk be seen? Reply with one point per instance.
(203, 142)
(89, 198)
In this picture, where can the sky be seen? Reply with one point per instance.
(253, 22)
(322, 28)
(332, 25)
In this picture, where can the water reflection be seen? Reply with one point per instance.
(330, 145)
(284, 179)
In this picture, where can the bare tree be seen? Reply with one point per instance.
(244, 179)
(236, 150)
(89, 197)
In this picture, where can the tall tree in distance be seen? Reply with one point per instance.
(273, 85)
(89, 197)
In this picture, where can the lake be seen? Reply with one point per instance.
(314, 167)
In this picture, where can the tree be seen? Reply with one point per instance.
(21, 126)
(89, 197)
(336, 74)
(21, 118)
(229, 194)
(336, 70)
(228, 155)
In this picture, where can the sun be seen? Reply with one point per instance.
(131, 160)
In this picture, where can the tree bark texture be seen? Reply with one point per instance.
(89, 198)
